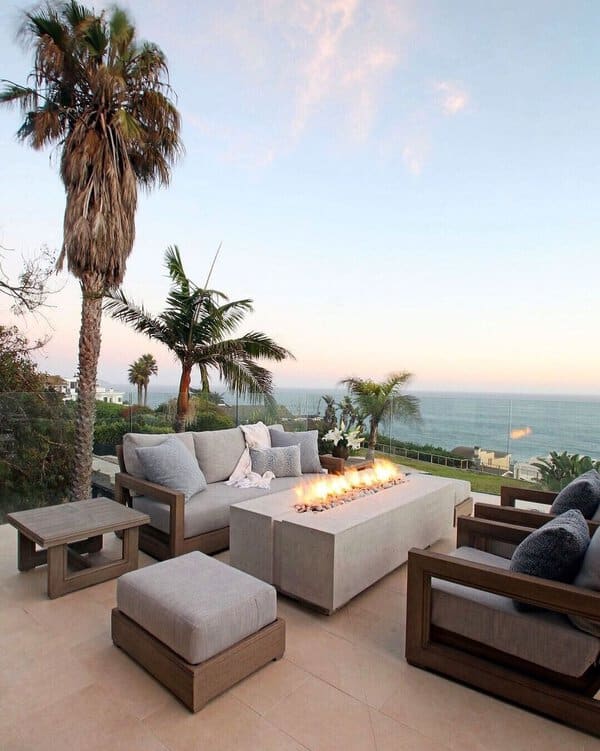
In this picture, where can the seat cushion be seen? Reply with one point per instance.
(309, 448)
(582, 493)
(196, 605)
(218, 452)
(209, 510)
(541, 637)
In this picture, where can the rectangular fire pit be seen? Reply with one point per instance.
(326, 558)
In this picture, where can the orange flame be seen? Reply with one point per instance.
(331, 486)
(520, 433)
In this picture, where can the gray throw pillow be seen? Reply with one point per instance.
(582, 493)
(554, 551)
(309, 447)
(282, 462)
(171, 464)
(589, 577)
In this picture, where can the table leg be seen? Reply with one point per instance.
(57, 571)
(27, 556)
(130, 547)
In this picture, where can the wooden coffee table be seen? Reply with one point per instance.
(69, 531)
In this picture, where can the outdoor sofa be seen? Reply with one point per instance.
(201, 523)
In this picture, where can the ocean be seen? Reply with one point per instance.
(525, 426)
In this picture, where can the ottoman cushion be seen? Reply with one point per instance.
(196, 605)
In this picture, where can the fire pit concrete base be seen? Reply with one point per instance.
(326, 558)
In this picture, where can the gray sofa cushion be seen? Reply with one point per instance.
(196, 605)
(544, 638)
(134, 441)
(209, 510)
(582, 493)
(589, 577)
(171, 464)
(555, 550)
(309, 448)
(218, 452)
(282, 462)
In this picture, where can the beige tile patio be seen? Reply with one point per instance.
(225, 724)
(262, 690)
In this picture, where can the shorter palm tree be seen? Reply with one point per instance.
(196, 326)
(373, 399)
(136, 377)
(149, 368)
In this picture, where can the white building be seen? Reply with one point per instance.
(69, 387)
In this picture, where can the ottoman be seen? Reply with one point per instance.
(197, 625)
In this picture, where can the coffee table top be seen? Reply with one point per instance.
(70, 522)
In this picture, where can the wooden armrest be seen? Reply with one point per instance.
(509, 495)
(544, 593)
(473, 532)
(176, 502)
(519, 516)
(151, 489)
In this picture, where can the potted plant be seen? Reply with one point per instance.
(343, 440)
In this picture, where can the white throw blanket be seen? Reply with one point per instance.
(253, 480)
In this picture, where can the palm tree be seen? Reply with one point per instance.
(330, 415)
(149, 368)
(136, 377)
(194, 326)
(373, 399)
(103, 99)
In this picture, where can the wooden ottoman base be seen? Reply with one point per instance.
(195, 685)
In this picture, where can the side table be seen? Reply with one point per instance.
(337, 466)
(70, 530)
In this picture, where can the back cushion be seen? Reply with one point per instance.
(133, 441)
(582, 493)
(218, 452)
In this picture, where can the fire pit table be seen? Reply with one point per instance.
(326, 558)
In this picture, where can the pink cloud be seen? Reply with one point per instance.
(453, 97)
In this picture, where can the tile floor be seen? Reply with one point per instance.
(342, 685)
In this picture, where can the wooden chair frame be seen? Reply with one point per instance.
(564, 698)
(153, 541)
(508, 513)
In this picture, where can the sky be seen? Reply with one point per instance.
(397, 185)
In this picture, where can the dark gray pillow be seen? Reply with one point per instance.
(309, 447)
(171, 464)
(582, 493)
(282, 462)
(589, 577)
(555, 550)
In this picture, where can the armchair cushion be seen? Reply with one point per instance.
(282, 462)
(555, 550)
(589, 577)
(171, 464)
(582, 493)
(218, 452)
(541, 637)
(309, 448)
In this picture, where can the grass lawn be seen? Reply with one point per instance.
(480, 483)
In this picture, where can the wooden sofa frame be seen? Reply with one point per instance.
(151, 540)
(564, 698)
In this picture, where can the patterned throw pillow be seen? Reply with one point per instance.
(554, 551)
(582, 493)
(309, 447)
(171, 464)
(282, 462)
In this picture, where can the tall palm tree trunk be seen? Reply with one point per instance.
(183, 398)
(145, 395)
(89, 352)
(139, 394)
(373, 429)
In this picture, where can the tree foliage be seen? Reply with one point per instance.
(559, 469)
(197, 326)
(103, 99)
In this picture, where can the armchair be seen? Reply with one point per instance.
(461, 622)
